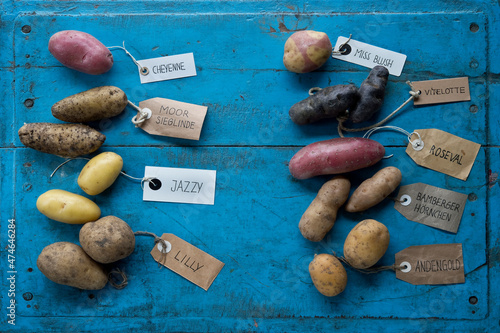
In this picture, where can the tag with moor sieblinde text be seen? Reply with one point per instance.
(167, 68)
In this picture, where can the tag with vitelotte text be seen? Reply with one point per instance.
(167, 68)
(442, 91)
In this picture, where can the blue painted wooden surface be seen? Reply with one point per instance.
(249, 139)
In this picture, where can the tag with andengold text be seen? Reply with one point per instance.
(432, 206)
(167, 68)
(174, 119)
(431, 264)
(442, 91)
(187, 260)
(444, 152)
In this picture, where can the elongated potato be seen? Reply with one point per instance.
(81, 51)
(66, 263)
(306, 51)
(371, 93)
(65, 140)
(67, 207)
(373, 190)
(100, 173)
(91, 105)
(366, 244)
(328, 274)
(321, 214)
(335, 156)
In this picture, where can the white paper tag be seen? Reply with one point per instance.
(167, 68)
(370, 56)
(179, 185)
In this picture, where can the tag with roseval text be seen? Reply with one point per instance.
(188, 261)
(444, 152)
(432, 206)
(369, 56)
(431, 264)
(442, 91)
(174, 119)
(167, 68)
(194, 186)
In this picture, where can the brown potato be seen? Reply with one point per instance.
(306, 51)
(328, 274)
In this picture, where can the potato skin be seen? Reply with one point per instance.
(366, 244)
(107, 240)
(306, 51)
(371, 93)
(335, 156)
(100, 173)
(321, 214)
(67, 207)
(66, 263)
(330, 102)
(91, 105)
(328, 274)
(373, 190)
(81, 51)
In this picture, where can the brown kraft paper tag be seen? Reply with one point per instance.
(442, 91)
(444, 152)
(173, 118)
(431, 264)
(188, 261)
(432, 206)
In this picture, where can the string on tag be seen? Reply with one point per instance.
(143, 114)
(116, 283)
(416, 144)
(143, 70)
(343, 48)
(373, 269)
(165, 246)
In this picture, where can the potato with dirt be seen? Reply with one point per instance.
(67, 264)
(306, 51)
(371, 95)
(67, 207)
(81, 51)
(321, 214)
(328, 274)
(64, 140)
(91, 105)
(100, 173)
(374, 190)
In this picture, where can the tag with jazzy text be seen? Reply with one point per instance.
(444, 152)
(187, 260)
(442, 91)
(367, 55)
(167, 68)
(193, 186)
(431, 264)
(432, 206)
(173, 118)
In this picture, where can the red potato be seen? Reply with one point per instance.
(306, 51)
(81, 51)
(335, 156)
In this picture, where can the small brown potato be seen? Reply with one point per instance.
(306, 51)
(366, 244)
(328, 274)
(321, 214)
(66, 263)
(65, 140)
(107, 240)
(67, 207)
(91, 105)
(100, 173)
(374, 190)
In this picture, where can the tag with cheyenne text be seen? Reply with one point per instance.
(179, 185)
(444, 152)
(167, 68)
(369, 56)
(174, 119)
(431, 264)
(442, 91)
(187, 260)
(432, 206)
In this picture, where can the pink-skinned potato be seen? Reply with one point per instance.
(306, 51)
(335, 156)
(81, 51)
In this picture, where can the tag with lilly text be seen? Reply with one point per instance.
(444, 152)
(187, 260)
(369, 56)
(167, 68)
(432, 206)
(179, 185)
(431, 264)
(442, 91)
(174, 119)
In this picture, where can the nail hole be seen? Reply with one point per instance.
(26, 29)
(473, 300)
(29, 103)
(27, 56)
(474, 27)
(28, 296)
(27, 65)
(474, 64)
(30, 269)
(472, 197)
(473, 108)
(91, 296)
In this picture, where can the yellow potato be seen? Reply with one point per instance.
(328, 274)
(366, 244)
(306, 51)
(100, 173)
(67, 207)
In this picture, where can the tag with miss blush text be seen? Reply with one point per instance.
(167, 68)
